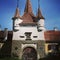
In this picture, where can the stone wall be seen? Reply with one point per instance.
(17, 50)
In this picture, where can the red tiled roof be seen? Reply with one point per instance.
(27, 19)
(52, 35)
(39, 14)
(28, 7)
(17, 14)
(28, 14)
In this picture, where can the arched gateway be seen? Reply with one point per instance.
(29, 53)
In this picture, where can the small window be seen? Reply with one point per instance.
(53, 47)
(35, 36)
(21, 36)
(49, 47)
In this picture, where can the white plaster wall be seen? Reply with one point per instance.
(22, 30)
(41, 22)
(16, 23)
(41, 25)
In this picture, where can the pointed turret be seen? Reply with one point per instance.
(16, 19)
(39, 14)
(17, 13)
(40, 18)
(28, 7)
(28, 14)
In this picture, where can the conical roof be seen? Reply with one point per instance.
(17, 13)
(27, 19)
(39, 14)
(28, 14)
(28, 7)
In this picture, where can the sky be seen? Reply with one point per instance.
(50, 10)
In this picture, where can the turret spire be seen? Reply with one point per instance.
(17, 13)
(28, 17)
(39, 14)
(38, 4)
(28, 7)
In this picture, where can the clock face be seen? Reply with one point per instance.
(17, 22)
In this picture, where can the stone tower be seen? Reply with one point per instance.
(28, 34)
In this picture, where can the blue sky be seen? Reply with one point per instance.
(49, 8)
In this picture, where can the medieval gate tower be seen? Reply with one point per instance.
(28, 34)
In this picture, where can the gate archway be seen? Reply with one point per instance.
(29, 53)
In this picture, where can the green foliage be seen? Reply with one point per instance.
(9, 58)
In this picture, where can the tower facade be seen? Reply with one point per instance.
(40, 19)
(40, 22)
(28, 34)
(16, 20)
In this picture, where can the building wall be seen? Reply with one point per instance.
(18, 46)
(33, 29)
(51, 47)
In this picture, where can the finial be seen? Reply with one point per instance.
(17, 3)
(38, 4)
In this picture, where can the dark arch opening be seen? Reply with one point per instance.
(29, 53)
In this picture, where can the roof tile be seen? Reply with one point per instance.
(52, 35)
